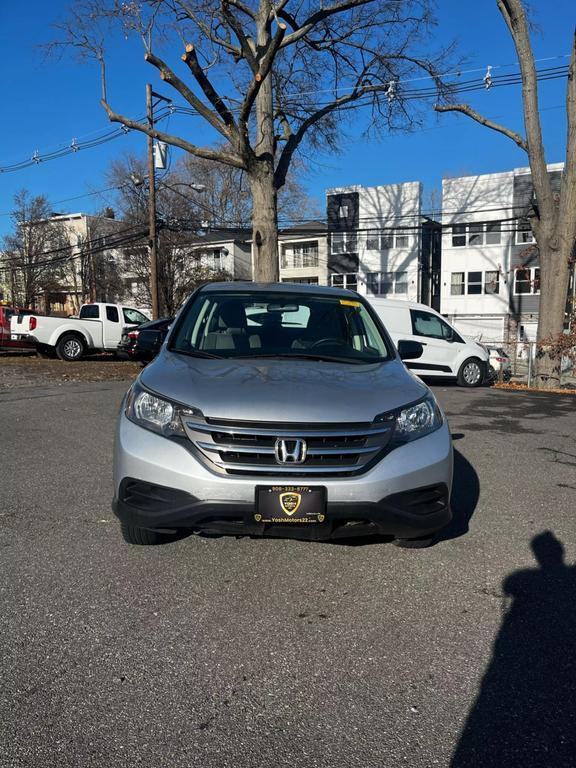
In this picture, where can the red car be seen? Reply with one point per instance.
(6, 343)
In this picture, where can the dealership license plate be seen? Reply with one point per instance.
(302, 504)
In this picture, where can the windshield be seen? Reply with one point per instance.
(279, 325)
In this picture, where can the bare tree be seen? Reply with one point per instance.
(36, 250)
(554, 219)
(181, 214)
(267, 77)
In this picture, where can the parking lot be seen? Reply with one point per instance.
(246, 652)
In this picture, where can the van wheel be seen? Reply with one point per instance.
(133, 535)
(471, 373)
(70, 347)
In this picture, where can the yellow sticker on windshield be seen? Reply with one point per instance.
(349, 303)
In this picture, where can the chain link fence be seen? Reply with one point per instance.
(515, 362)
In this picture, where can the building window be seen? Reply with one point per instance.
(474, 282)
(476, 234)
(524, 234)
(373, 240)
(343, 212)
(457, 284)
(402, 241)
(459, 235)
(492, 282)
(481, 233)
(527, 280)
(343, 242)
(493, 233)
(349, 281)
(386, 283)
(298, 255)
(303, 280)
(378, 241)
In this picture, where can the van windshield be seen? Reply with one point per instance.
(244, 325)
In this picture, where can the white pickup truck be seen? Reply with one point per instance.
(97, 328)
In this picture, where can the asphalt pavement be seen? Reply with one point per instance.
(220, 652)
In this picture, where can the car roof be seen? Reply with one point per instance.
(288, 288)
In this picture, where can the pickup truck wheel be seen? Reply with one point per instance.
(70, 348)
(471, 373)
(134, 535)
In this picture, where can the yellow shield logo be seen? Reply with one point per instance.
(290, 502)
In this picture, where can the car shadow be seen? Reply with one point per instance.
(465, 495)
(525, 710)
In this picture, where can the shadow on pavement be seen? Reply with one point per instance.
(465, 495)
(525, 712)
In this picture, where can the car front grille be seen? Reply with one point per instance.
(249, 448)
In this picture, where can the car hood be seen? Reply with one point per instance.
(281, 389)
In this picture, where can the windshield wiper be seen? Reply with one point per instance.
(196, 353)
(322, 358)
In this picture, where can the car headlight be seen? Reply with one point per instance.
(156, 413)
(417, 420)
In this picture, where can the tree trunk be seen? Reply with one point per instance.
(264, 225)
(264, 193)
(554, 276)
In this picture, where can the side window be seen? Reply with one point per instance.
(426, 324)
(134, 317)
(112, 314)
(90, 312)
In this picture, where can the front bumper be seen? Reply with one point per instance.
(159, 485)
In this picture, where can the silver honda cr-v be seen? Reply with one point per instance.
(282, 410)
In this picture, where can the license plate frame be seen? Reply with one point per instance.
(290, 504)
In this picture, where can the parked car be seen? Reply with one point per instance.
(282, 410)
(447, 353)
(499, 361)
(143, 343)
(8, 344)
(97, 329)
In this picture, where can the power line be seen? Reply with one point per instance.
(469, 86)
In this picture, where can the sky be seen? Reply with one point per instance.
(46, 103)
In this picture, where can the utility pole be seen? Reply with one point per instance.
(152, 240)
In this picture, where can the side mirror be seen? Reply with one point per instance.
(410, 350)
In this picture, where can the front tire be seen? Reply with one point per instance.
(471, 373)
(143, 537)
(70, 348)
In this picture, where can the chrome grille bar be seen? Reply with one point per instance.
(249, 448)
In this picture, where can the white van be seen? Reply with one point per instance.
(447, 353)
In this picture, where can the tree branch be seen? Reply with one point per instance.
(515, 19)
(246, 44)
(264, 66)
(318, 16)
(191, 59)
(244, 8)
(465, 109)
(172, 79)
(206, 30)
(568, 187)
(220, 156)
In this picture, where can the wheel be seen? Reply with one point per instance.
(44, 352)
(471, 373)
(421, 543)
(134, 535)
(70, 347)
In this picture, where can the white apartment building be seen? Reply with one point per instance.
(490, 278)
(375, 240)
(303, 254)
